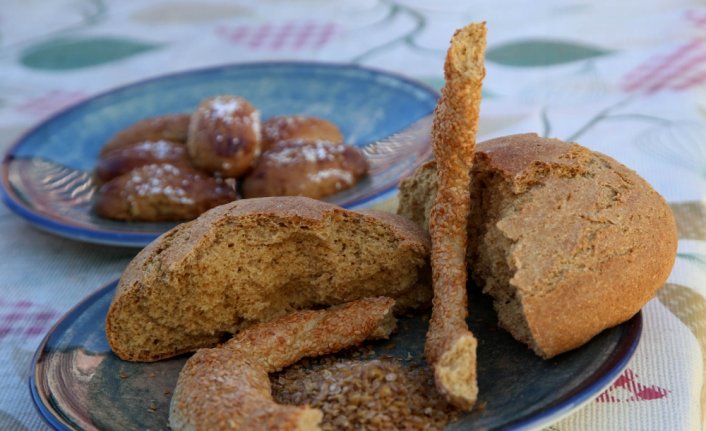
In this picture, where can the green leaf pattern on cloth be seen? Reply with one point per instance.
(538, 53)
(77, 53)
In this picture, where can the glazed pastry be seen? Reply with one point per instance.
(161, 192)
(227, 388)
(172, 127)
(301, 168)
(224, 136)
(288, 127)
(123, 160)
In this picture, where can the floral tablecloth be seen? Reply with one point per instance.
(626, 78)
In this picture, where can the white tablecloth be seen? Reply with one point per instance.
(626, 78)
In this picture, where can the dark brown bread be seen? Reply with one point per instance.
(256, 259)
(568, 241)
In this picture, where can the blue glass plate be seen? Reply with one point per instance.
(79, 384)
(45, 176)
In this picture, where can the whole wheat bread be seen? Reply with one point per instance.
(567, 241)
(256, 259)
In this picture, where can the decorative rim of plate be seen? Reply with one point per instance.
(107, 236)
(581, 395)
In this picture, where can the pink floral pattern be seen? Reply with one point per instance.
(285, 36)
(627, 388)
(24, 318)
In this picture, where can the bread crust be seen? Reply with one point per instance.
(450, 346)
(228, 387)
(184, 291)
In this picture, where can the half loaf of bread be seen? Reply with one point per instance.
(567, 241)
(256, 259)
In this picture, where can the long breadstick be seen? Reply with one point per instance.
(450, 347)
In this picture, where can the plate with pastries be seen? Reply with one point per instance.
(125, 166)
(504, 293)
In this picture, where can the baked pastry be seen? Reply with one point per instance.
(256, 259)
(171, 127)
(227, 388)
(123, 160)
(567, 241)
(161, 192)
(224, 135)
(450, 347)
(305, 128)
(305, 168)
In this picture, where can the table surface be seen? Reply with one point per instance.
(624, 78)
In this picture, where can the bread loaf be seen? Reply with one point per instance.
(567, 241)
(256, 259)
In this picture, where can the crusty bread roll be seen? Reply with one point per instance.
(567, 241)
(256, 259)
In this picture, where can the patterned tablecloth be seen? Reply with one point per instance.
(626, 78)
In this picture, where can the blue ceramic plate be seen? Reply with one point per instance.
(78, 384)
(46, 175)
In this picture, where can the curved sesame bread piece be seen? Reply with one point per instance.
(566, 240)
(228, 387)
(450, 347)
(256, 259)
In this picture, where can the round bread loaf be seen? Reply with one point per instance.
(256, 259)
(566, 240)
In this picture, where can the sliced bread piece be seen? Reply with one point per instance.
(256, 259)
